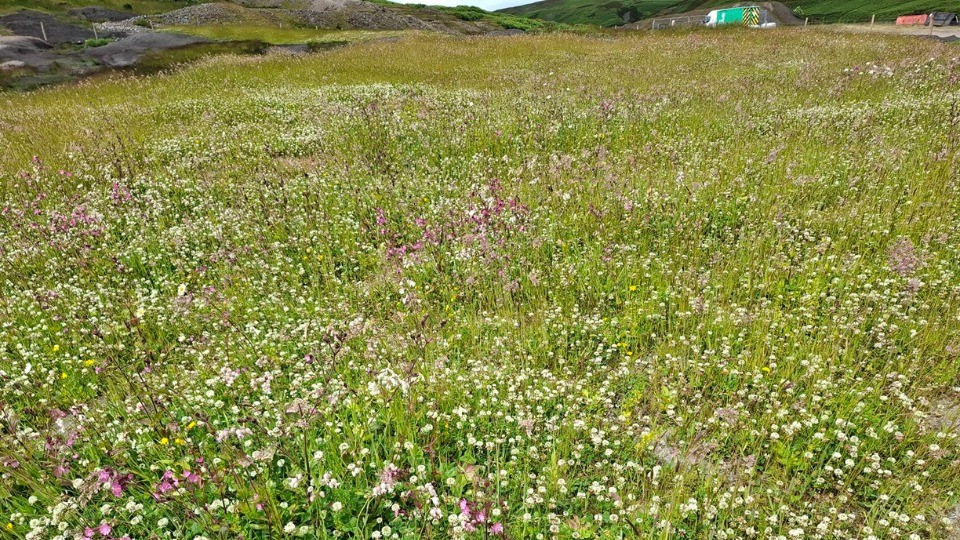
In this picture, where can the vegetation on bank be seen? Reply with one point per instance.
(135, 7)
(465, 288)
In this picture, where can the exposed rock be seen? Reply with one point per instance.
(127, 51)
(215, 13)
(944, 415)
(121, 29)
(269, 4)
(28, 23)
(354, 14)
(12, 64)
(25, 51)
(100, 14)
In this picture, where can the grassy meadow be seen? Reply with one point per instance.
(668, 286)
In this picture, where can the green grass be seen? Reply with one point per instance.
(390, 287)
(96, 42)
(613, 13)
(138, 7)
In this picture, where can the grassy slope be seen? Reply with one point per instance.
(472, 13)
(525, 261)
(610, 13)
(138, 7)
(600, 13)
(258, 20)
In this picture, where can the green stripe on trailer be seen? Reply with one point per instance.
(730, 16)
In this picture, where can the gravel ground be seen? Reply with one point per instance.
(215, 13)
(99, 14)
(942, 33)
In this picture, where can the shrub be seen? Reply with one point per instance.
(99, 42)
(468, 13)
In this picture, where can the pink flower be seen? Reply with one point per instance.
(104, 476)
(497, 528)
(104, 529)
(191, 477)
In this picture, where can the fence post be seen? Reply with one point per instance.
(95, 36)
(931, 23)
(43, 31)
(806, 22)
(873, 18)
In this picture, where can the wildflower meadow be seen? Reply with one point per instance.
(680, 285)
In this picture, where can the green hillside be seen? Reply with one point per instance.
(615, 12)
(861, 10)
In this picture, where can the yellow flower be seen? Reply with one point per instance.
(633, 288)
(56, 348)
(180, 442)
(88, 363)
(765, 369)
(9, 526)
(164, 441)
(645, 440)
(191, 425)
(63, 376)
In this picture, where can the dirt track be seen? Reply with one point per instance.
(945, 33)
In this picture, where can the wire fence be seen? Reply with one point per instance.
(677, 22)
